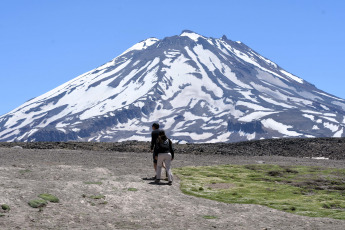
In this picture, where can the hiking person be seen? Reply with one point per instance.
(154, 136)
(163, 149)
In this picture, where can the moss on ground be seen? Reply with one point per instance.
(5, 207)
(308, 191)
(93, 182)
(49, 197)
(210, 217)
(40, 203)
(96, 197)
(37, 203)
(24, 171)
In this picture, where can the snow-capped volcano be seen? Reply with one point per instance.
(199, 89)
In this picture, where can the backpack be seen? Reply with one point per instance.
(165, 146)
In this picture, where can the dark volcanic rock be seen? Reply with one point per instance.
(332, 148)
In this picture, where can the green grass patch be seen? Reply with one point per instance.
(37, 203)
(210, 217)
(5, 207)
(49, 197)
(24, 171)
(132, 189)
(93, 182)
(302, 190)
(97, 197)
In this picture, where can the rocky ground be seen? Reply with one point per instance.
(116, 172)
(332, 148)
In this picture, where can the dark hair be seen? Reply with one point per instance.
(162, 135)
(155, 125)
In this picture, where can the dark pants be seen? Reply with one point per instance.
(154, 160)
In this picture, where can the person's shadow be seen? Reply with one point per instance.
(153, 181)
(159, 183)
(149, 178)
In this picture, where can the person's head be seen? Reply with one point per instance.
(155, 126)
(162, 135)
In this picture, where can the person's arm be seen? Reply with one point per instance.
(156, 148)
(171, 150)
(152, 143)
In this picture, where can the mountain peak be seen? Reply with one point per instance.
(188, 31)
(192, 35)
(142, 45)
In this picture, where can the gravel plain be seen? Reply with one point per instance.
(126, 200)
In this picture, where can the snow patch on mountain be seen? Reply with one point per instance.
(339, 133)
(142, 45)
(255, 116)
(281, 128)
(293, 77)
(191, 35)
(331, 126)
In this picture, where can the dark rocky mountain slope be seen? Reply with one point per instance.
(328, 148)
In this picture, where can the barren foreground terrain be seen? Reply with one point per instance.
(107, 190)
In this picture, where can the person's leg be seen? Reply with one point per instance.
(167, 160)
(159, 166)
(166, 172)
(154, 164)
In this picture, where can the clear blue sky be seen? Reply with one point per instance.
(44, 43)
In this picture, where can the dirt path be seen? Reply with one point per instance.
(129, 201)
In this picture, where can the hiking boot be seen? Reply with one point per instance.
(157, 181)
(152, 178)
(170, 183)
(166, 176)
